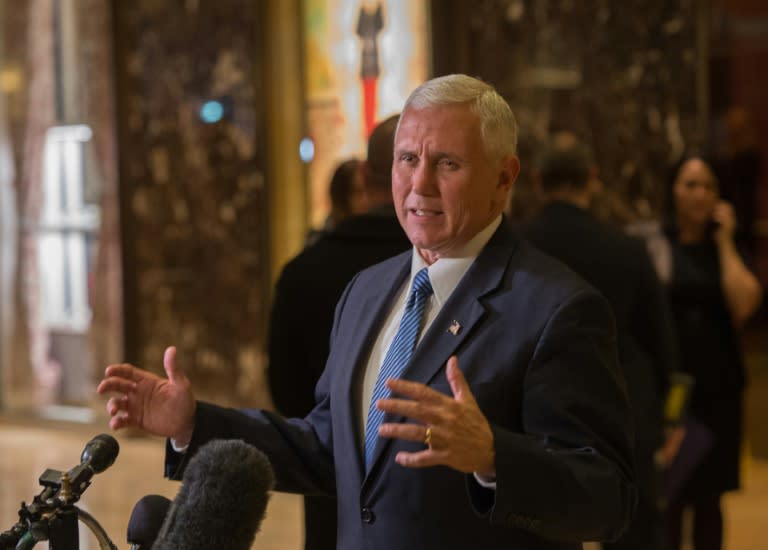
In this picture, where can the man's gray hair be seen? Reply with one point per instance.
(498, 127)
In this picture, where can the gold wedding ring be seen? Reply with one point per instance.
(428, 436)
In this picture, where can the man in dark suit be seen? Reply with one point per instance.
(472, 396)
(620, 268)
(307, 291)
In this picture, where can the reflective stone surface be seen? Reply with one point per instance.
(193, 199)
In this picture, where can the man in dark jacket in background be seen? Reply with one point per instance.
(306, 295)
(619, 267)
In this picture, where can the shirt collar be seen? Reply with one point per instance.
(445, 273)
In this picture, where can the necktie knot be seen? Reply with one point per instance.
(422, 287)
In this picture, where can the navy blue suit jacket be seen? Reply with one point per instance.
(538, 348)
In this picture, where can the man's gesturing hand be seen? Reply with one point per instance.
(458, 434)
(160, 406)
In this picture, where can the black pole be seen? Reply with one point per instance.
(63, 530)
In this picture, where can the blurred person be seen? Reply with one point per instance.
(712, 293)
(645, 220)
(347, 194)
(307, 291)
(525, 201)
(472, 396)
(619, 267)
(738, 166)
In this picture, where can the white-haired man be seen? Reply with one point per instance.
(472, 396)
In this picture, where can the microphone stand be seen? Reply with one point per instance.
(53, 519)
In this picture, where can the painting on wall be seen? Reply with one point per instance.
(363, 58)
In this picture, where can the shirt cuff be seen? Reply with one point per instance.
(183, 449)
(484, 482)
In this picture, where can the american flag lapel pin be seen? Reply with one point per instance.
(454, 328)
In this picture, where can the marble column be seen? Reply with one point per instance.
(96, 107)
(193, 202)
(620, 74)
(8, 226)
(30, 375)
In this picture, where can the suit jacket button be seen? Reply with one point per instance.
(367, 515)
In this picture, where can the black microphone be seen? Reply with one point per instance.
(52, 515)
(222, 500)
(146, 520)
(99, 454)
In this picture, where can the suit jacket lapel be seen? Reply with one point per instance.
(465, 307)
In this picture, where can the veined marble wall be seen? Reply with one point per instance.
(622, 73)
(192, 194)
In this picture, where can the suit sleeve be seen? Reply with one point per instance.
(569, 474)
(299, 449)
(296, 448)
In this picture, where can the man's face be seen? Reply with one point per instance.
(445, 188)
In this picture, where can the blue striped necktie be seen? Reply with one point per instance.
(398, 355)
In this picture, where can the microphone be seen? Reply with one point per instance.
(52, 514)
(146, 519)
(222, 500)
(98, 455)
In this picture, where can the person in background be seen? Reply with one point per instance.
(738, 165)
(307, 291)
(619, 267)
(472, 396)
(712, 293)
(348, 198)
